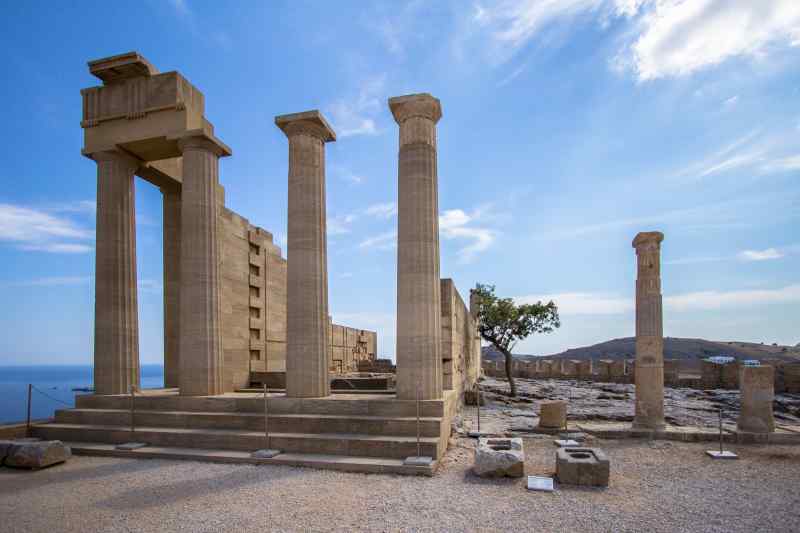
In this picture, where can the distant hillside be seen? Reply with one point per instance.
(674, 348)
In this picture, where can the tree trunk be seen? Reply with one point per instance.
(509, 373)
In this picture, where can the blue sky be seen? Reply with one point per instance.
(568, 127)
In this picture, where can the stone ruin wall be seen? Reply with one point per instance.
(461, 347)
(253, 307)
(713, 375)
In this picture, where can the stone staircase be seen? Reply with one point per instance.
(340, 430)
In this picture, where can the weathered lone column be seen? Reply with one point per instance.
(307, 357)
(419, 361)
(757, 386)
(649, 333)
(116, 322)
(200, 357)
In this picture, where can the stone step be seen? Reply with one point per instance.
(346, 463)
(339, 404)
(278, 423)
(395, 447)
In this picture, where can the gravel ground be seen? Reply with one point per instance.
(655, 486)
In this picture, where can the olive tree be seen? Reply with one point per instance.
(502, 323)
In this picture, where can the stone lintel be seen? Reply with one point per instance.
(311, 122)
(421, 104)
(647, 237)
(120, 67)
(204, 138)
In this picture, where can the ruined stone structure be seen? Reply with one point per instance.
(649, 333)
(757, 395)
(223, 317)
(234, 307)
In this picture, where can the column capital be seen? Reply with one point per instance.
(202, 140)
(415, 105)
(306, 123)
(648, 240)
(114, 155)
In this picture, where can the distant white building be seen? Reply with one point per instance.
(721, 359)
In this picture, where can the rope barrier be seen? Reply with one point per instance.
(50, 397)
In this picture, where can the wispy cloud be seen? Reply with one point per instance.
(37, 230)
(357, 115)
(456, 224)
(384, 210)
(761, 255)
(588, 303)
(678, 38)
(49, 282)
(340, 224)
(661, 38)
(381, 241)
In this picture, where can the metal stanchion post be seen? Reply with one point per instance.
(266, 419)
(28, 423)
(419, 454)
(721, 454)
(132, 444)
(267, 452)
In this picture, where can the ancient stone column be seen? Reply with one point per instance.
(200, 357)
(757, 386)
(171, 199)
(116, 324)
(649, 377)
(307, 350)
(419, 361)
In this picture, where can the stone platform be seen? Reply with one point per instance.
(352, 428)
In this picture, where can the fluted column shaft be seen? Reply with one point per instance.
(419, 360)
(649, 333)
(116, 326)
(200, 357)
(307, 350)
(171, 199)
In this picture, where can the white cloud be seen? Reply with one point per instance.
(680, 37)
(583, 303)
(384, 210)
(706, 300)
(57, 248)
(664, 38)
(49, 282)
(357, 116)
(382, 241)
(578, 303)
(456, 224)
(782, 164)
(730, 102)
(760, 255)
(340, 224)
(37, 230)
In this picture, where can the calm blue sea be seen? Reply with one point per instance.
(53, 388)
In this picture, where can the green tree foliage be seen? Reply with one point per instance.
(503, 323)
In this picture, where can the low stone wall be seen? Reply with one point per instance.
(712, 375)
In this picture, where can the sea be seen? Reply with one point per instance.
(54, 387)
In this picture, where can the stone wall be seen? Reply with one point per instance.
(351, 347)
(253, 307)
(461, 347)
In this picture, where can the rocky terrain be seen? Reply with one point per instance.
(611, 402)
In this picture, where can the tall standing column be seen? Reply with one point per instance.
(172, 285)
(419, 360)
(307, 350)
(116, 325)
(649, 333)
(200, 357)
